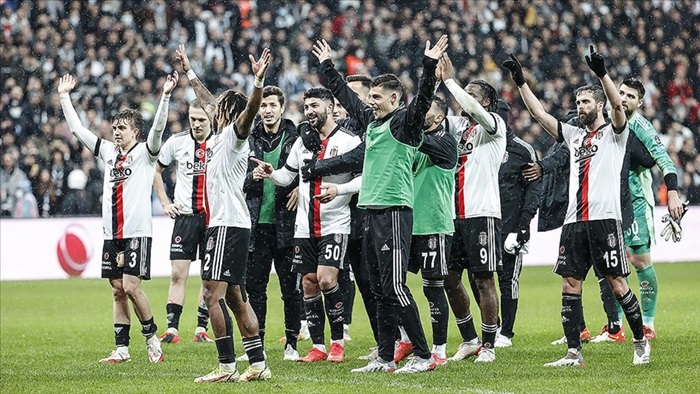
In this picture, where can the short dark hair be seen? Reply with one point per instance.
(272, 90)
(388, 81)
(488, 92)
(366, 80)
(441, 104)
(595, 90)
(635, 84)
(195, 104)
(129, 116)
(320, 93)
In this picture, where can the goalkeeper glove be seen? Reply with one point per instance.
(673, 229)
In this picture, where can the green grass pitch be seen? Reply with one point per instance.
(53, 332)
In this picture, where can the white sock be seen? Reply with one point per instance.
(228, 366)
(199, 329)
(172, 330)
(340, 341)
(258, 365)
(404, 336)
(320, 347)
(440, 350)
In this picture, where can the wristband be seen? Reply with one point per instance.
(259, 82)
(671, 181)
(191, 75)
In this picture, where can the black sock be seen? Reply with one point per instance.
(571, 312)
(202, 315)
(316, 319)
(254, 349)
(224, 347)
(609, 306)
(633, 313)
(466, 328)
(347, 286)
(173, 312)
(335, 309)
(434, 290)
(488, 335)
(121, 334)
(148, 328)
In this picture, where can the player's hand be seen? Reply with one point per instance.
(172, 210)
(181, 55)
(65, 84)
(328, 193)
(322, 51)
(170, 82)
(260, 66)
(309, 137)
(308, 170)
(293, 200)
(533, 172)
(264, 169)
(596, 62)
(438, 70)
(673, 229)
(438, 50)
(516, 70)
(675, 207)
(523, 235)
(446, 68)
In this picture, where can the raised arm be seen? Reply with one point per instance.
(245, 119)
(333, 81)
(206, 99)
(155, 136)
(548, 122)
(420, 105)
(468, 103)
(596, 62)
(65, 84)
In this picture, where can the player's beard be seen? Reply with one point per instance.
(319, 121)
(586, 118)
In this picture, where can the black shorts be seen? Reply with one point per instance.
(429, 254)
(598, 242)
(477, 245)
(226, 254)
(188, 237)
(137, 257)
(328, 250)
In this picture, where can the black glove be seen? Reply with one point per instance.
(308, 169)
(523, 235)
(516, 70)
(596, 62)
(310, 137)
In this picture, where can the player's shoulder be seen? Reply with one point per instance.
(640, 123)
(520, 144)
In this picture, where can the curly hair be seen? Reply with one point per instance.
(229, 105)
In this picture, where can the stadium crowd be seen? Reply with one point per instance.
(122, 50)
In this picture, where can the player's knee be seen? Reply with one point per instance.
(327, 282)
(178, 279)
(131, 289)
(118, 291)
(618, 285)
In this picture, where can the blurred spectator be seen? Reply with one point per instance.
(13, 184)
(76, 201)
(120, 49)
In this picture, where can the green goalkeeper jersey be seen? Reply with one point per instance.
(640, 178)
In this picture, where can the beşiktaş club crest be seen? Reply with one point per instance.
(134, 243)
(432, 242)
(483, 238)
(333, 152)
(338, 238)
(612, 241)
(210, 243)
